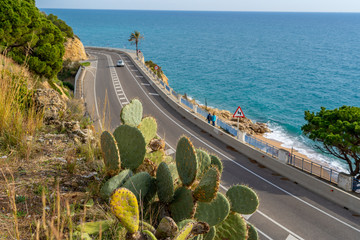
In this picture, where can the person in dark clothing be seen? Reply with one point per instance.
(209, 117)
(213, 119)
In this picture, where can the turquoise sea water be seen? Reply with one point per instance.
(274, 65)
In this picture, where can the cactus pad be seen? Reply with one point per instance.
(242, 199)
(110, 153)
(164, 183)
(139, 184)
(234, 227)
(131, 144)
(94, 227)
(211, 234)
(213, 212)
(149, 235)
(186, 161)
(132, 113)
(182, 207)
(156, 156)
(151, 192)
(115, 182)
(148, 127)
(125, 207)
(167, 228)
(185, 232)
(217, 163)
(208, 186)
(253, 235)
(204, 161)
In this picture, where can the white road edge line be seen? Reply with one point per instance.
(96, 104)
(255, 174)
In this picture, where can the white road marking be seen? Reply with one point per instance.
(169, 151)
(154, 94)
(248, 170)
(291, 237)
(134, 70)
(145, 84)
(96, 104)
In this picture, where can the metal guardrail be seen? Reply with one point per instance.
(263, 146)
(356, 185)
(314, 168)
(187, 103)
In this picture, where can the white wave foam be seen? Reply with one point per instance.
(287, 140)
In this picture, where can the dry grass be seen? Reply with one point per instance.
(19, 120)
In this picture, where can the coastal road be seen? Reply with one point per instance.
(287, 210)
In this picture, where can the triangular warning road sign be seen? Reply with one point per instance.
(238, 113)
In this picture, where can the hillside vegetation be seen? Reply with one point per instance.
(29, 36)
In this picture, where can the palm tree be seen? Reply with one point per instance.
(135, 38)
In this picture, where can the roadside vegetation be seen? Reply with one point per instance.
(337, 132)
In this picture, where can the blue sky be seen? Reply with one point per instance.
(209, 5)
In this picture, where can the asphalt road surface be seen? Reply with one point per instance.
(286, 211)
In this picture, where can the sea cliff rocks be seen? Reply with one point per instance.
(74, 50)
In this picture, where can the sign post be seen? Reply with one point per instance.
(238, 114)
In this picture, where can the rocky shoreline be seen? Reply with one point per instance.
(245, 124)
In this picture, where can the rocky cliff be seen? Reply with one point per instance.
(74, 50)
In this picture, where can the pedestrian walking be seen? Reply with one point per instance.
(213, 119)
(209, 118)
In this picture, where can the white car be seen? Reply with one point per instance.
(120, 63)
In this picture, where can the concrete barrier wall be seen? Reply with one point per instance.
(315, 185)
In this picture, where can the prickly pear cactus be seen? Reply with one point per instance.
(204, 161)
(182, 207)
(124, 206)
(234, 227)
(115, 182)
(185, 232)
(213, 212)
(217, 163)
(132, 113)
(131, 144)
(110, 153)
(211, 234)
(253, 235)
(164, 183)
(242, 199)
(139, 184)
(186, 161)
(208, 186)
(148, 127)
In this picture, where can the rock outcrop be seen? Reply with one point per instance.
(74, 50)
(49, 101)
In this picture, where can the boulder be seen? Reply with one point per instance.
(49, 101)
